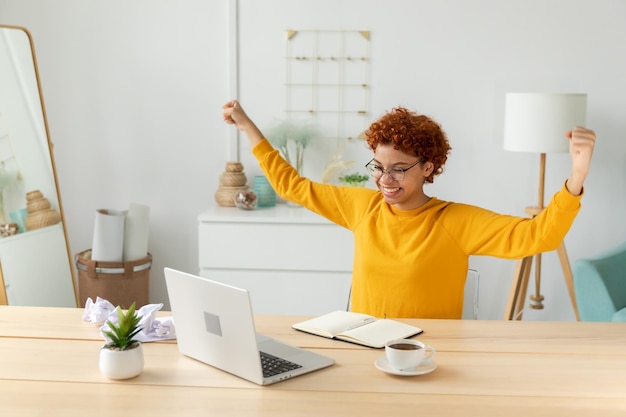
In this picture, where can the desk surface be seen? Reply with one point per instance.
(49, 366)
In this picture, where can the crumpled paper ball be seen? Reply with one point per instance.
(153, 328)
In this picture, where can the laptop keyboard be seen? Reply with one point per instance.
(272, 365)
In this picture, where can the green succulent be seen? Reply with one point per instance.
(354, 179)
(122, 333)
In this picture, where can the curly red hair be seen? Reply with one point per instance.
(413, 134)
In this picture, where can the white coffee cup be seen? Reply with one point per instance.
(407, 354)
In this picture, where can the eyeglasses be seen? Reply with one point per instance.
(395, 173)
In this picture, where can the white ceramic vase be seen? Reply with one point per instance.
(121, 364)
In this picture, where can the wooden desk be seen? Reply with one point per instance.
(49, 366)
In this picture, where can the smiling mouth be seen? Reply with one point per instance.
(389, 190)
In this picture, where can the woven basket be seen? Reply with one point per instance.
(42, 218)
(233, 179)
(37, 204)
(225, 196)
(120, 283)
(32, 195)
(234, 167)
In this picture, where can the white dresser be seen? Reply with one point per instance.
(291, 260)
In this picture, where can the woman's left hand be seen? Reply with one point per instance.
(582, 142)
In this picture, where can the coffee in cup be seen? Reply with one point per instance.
(407, 354)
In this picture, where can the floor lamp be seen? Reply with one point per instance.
(537, 122)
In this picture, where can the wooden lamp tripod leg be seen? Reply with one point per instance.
(569, 277)
(515, 305)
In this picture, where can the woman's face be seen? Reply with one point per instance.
(407, 193)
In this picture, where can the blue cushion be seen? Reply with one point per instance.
(620, 315)
(600, 285)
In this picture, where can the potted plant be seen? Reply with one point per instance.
(354, 180)
(122, 356)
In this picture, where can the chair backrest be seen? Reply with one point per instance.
(470, 301)
(600, 286)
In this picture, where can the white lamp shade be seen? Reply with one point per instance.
(537, 122)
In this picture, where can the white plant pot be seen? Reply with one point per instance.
(121, 364)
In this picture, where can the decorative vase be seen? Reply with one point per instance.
(266, 196)
(121, 364)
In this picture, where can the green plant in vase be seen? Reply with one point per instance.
(354, 180)
(122, 334)
(122, 356)
(291, 138)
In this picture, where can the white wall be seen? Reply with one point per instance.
(133, 91)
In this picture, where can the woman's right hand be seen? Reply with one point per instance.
(233, 114)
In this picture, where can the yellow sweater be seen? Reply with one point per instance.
(414, 263)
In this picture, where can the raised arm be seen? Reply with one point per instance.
(581, 146)
(233, 114)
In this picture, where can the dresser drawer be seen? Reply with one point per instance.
(291, 260)
(275, 246)
(286, 292)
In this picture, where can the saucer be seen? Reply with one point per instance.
(424, 367)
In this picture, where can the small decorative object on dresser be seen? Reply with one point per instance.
(8, 229)
(232, 182)
(122, 356)
(246, 200)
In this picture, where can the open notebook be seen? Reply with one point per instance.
(357, 328)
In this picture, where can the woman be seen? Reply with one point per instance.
(410, 250)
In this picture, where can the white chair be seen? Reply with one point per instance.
(470, 301)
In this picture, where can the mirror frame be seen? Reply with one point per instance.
(3, 295)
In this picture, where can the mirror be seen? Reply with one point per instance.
(35, 259)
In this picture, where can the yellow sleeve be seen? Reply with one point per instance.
(341, 205)
(483, 232)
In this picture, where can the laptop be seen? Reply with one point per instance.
(215, 325)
